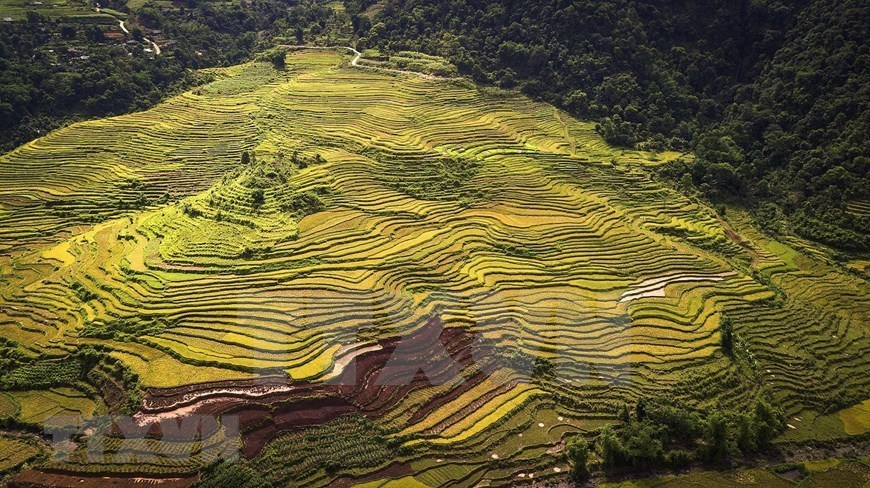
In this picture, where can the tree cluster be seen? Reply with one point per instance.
(660, 433)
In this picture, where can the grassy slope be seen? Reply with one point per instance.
(511, 218)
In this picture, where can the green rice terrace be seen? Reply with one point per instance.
(370, 277)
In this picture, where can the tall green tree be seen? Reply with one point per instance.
(578, 455)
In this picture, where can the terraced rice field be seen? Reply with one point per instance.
(14, 453)
(66, 10)
(851, 473)
(473, 233)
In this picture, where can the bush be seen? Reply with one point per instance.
(277, 57)
(258, 197)
(717, 439)
(578, 455)
(612, 451)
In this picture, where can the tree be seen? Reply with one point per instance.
(94, 34)
(246, 157)
(612, 451)
(746, 433)
(258, 197)
(577, 101)
(768, 422)
(726, 330)
(642, 444)
(640, 409)
(68, 31)
(624, 414)
(717, 438)
(578, 455)
(137, 33)
(277, 57)
(716, 147)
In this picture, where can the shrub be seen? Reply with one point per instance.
(578, 455)
(726, 330)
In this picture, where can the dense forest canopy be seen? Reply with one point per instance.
(56, 70)
(771, 96)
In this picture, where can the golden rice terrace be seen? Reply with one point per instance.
(380, 278)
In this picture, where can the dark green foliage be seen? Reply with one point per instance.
(246, 158)
(624, 414)
(343, 444)
(303, 162)
(578, 455)
(803, 124)
(611, 449)
(543, 368)
(643, 444)
(679, 425)
(663, 433)
(647, 71)
(719, 446)
(190, 210)
(679, 458)
(515, 358)
(10, 355)
(258, 197)
(540, 369)
(81, 292)
(44, 83)
(640, 409)
(746, 433)
(44, 373)
(514, 250)
(437, 179)
(125, 329)
(277, 57)
(772, 96)
(304, 203)
(767, 422)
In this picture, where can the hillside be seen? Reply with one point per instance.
(395, 276)
(770, 96)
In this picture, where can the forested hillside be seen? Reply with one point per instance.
(802, 127)
(54, 70)
(772, 96)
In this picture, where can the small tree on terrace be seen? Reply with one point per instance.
(578, 455)
(717, 438)
(726, 329)
(276, 57)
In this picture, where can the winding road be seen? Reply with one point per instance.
(357, 55)
(153, 44)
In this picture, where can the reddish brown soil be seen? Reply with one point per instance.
(375, 382)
